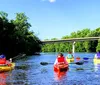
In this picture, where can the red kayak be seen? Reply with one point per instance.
(60, 67)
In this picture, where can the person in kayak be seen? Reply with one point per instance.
(97, 55)
(2, 59)
(70, 56)
(60, 59)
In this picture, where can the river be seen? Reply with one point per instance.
(29, 71)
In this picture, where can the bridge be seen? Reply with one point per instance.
(73, 40)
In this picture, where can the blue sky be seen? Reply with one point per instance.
(55, 18)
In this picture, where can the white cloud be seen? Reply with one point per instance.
(51, 1)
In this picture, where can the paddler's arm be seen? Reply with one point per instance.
(55, 62)
(65, 61)
(95, 56)
(10, 60)
(72, 56)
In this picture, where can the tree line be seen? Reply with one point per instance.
(84, 46)
(15, 36)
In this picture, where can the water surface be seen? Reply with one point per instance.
(29, 71)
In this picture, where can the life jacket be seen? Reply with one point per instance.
(3, 61)
(98, 55)
(61, 59)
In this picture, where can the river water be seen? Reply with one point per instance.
(29, 71)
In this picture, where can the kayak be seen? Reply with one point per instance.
(60, 67)
(70, 60)
(4, 68)
(96, 61)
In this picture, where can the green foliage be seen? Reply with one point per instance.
(15, 36)
(86, 46)
(98, 46)
(54, 39)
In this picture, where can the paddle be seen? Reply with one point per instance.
(78, 63)
(46, 63)
(85, 58)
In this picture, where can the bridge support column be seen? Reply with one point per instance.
(73, 47)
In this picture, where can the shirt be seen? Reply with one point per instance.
(69, 56)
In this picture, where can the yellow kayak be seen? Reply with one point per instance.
(96, 61)
(70, 60)
(4, 68)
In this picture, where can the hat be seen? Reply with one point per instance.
(2, 56)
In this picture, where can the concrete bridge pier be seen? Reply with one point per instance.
(73, 47)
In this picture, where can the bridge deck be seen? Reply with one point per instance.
(72, 39)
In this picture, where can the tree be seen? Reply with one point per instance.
(15, 36)
(86, 46)
(98, 46)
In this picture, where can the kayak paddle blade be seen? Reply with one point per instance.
(44, 63)
(79, 63)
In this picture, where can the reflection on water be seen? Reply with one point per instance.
(59, 75)
(6, 78)
(97, 67)
(29, 71)
(3, 77)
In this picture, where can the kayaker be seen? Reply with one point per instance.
(97, 55)
(78, 58)
(2, 59)
(60, 59)
(70, 56)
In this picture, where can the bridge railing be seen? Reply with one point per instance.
(72, 40)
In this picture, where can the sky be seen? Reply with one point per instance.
(55, 18)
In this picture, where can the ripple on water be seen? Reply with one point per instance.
(33, 73)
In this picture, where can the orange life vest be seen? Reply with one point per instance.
(61, 59)
(3, 61)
